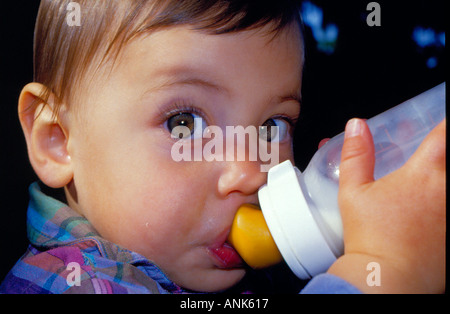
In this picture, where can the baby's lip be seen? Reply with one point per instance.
(223, 254)
(226, 256)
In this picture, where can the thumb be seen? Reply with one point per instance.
(357, 157)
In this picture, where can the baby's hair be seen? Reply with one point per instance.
(64, 53)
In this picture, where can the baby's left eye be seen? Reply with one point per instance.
(185, 125)
(275, 129)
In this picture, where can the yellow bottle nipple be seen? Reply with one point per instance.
(251, 238)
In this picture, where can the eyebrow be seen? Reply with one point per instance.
(293, 96)
(190, 77)
(297, 97)
(185, 76)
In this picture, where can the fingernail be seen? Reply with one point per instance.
(353, 128)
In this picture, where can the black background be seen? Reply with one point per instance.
(371, 69)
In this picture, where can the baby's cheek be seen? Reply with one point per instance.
(156, 237)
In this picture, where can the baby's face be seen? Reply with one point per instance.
(178, 214)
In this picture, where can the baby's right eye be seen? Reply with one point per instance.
(185, 125)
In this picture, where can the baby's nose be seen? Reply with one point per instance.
(241, 176)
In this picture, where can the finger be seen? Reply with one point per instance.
(323, 141)
(358, 155)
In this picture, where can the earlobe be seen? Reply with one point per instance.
(46, 137)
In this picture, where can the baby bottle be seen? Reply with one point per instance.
(301, 209)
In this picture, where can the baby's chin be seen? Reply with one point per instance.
(209, 280)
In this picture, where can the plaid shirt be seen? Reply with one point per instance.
(64, 246)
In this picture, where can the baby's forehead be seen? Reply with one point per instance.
(163, 38)
(190, 56)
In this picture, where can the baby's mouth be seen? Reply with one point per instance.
(225, 256)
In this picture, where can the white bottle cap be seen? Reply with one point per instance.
(292, 224)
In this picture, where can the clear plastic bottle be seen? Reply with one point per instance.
(301, 209)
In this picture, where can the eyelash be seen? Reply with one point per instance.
(178, 108)
(292, 122)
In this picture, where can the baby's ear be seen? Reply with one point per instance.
(46, 136)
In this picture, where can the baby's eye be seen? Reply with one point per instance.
(274, 129)
(185, 125)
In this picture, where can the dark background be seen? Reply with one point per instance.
(366, 71)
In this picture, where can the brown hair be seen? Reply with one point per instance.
(64, 54)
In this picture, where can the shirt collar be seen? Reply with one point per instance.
(52, 223)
